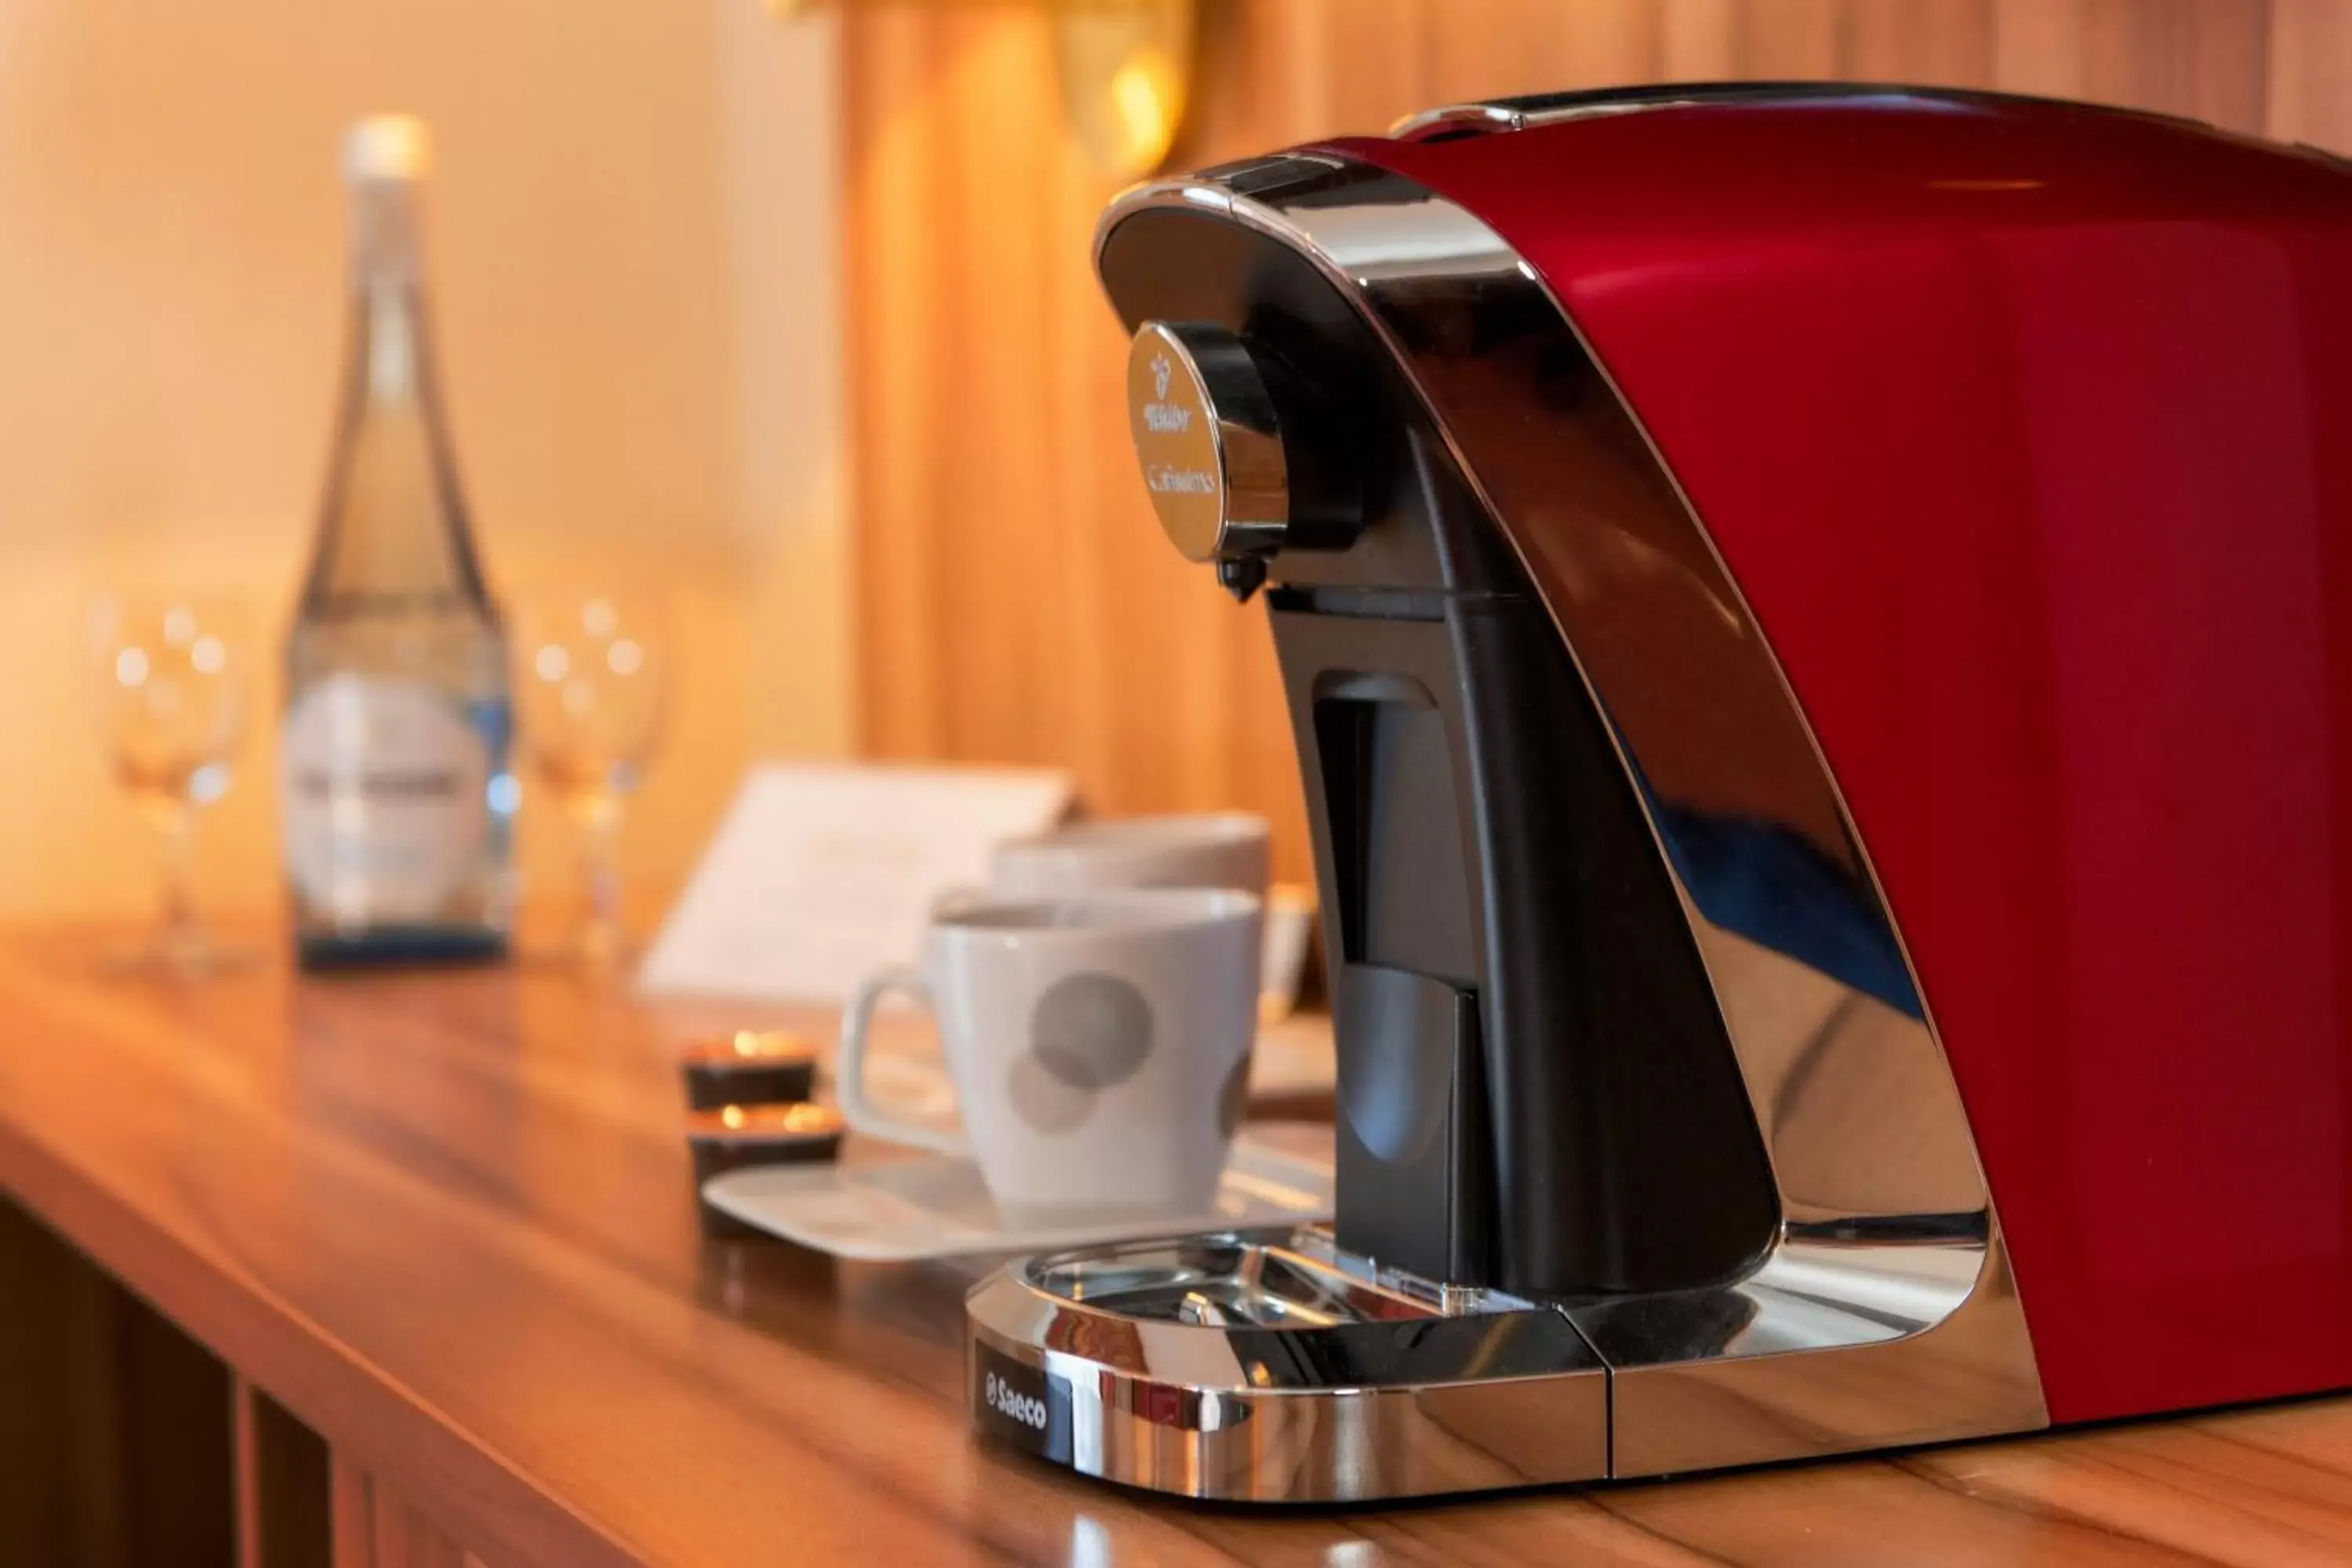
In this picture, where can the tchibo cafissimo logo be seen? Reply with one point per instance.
(1011, 1403)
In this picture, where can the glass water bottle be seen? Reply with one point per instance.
(397, 795)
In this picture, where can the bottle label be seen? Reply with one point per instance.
(385, 788)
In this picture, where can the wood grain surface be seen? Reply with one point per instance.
(1017, 602)
(445, 1220)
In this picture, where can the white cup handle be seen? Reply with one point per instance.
(849, 1068)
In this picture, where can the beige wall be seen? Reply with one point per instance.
(632, 236)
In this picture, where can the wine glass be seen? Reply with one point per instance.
(590, 682)
(174, 674)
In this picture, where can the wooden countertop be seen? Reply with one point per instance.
(445, 1219)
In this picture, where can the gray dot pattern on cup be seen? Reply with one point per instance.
(1043, 1101)
(1092, 1031)
(1088, 1032)
(1233, 1101)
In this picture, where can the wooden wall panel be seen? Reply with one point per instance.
(116, 1447)
(1017, 602)
(284, 1508)
(371, 1525)
(2310, 79)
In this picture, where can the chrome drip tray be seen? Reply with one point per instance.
(1223, 1281)
(1277, 1368)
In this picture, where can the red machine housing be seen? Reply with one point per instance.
(2026, 431)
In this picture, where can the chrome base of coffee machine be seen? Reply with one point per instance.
(1274, 1368)
(1277, 1367)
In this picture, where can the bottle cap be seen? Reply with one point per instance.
(387, 147)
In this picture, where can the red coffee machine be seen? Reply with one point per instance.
(1815, 624)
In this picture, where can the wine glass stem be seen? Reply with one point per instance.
(174, 832)
(601, 930)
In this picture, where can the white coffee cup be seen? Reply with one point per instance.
(1207, 850)
(1099, 1045)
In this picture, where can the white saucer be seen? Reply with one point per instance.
(902, 1211)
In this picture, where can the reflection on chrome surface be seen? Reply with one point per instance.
(1274, 1368)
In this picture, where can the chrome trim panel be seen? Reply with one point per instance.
(1521, 113)
(1271, 1369)
(1485, 119)
(1885, 1310)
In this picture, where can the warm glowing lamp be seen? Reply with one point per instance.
(1126, 69)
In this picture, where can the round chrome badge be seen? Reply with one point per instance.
(1207, 440)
